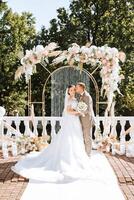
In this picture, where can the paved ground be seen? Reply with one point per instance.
(124, 169)
(12, 186)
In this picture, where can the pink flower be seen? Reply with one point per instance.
(105, 70)
(108, 64)
(45, 53)
(104, 61)
(98, 54)
(33, 59)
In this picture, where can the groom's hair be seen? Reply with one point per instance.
(81, 84)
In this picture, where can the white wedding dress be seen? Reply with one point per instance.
(64, 159)
(63, 171)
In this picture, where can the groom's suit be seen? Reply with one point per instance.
(87, 121)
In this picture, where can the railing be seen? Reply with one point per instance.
(51, 125)
(39, 126)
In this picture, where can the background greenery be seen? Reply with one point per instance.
(102, 21)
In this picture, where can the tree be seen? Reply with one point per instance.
(17, 33)
(102, 22)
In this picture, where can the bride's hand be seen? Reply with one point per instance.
(77, 113)
(69, 109)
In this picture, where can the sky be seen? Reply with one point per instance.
(43, 10)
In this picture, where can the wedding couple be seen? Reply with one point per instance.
(67, 156)
(87, 119)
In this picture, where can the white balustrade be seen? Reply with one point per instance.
(52, 120)
(44, 121)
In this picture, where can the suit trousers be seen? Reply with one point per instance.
(87, 136)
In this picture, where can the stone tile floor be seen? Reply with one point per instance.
(12, 185)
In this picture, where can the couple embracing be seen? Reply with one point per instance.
(84, 109)
(67, 156)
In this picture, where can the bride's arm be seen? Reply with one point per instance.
(70, 110)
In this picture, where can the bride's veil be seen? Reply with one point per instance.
(65, 102)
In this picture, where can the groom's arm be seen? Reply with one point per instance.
(88, 100)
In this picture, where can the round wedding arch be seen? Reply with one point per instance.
(105, 58)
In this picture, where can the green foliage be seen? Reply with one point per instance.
(102, 22)
(98, 21)
(17, 33)
(16, 103)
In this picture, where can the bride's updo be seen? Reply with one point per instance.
(70, 86)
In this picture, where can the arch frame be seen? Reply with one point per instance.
(91, 77)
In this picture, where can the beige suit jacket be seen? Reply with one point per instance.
(88, 119)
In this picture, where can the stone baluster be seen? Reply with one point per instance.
(106, 125)
(113, 126)
(9, 132)
(5, 150)
(44, 124)
(122, 137)
(53, 133)
(17, 124)
(27, 129)
(35, 124)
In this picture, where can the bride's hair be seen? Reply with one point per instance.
(69, 88)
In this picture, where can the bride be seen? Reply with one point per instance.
(65, 158)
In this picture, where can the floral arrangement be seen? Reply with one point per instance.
(106, 144)
(27, 144)
(125, 147)
(34, 56)
(122, 147)
(106, 57)
(98, 135)
(82, 107)
(22, 144)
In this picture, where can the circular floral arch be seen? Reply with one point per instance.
(104, 57)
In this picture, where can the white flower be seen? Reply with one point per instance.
(74, 49)
(28, 72)
(28, 53)
(60, 58)
(114, 51)
(84, 50)
(92, 50)
(77, 58)
(39, 48)
(51, 46)
(82, 107)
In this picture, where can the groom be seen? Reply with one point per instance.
(88, 119)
